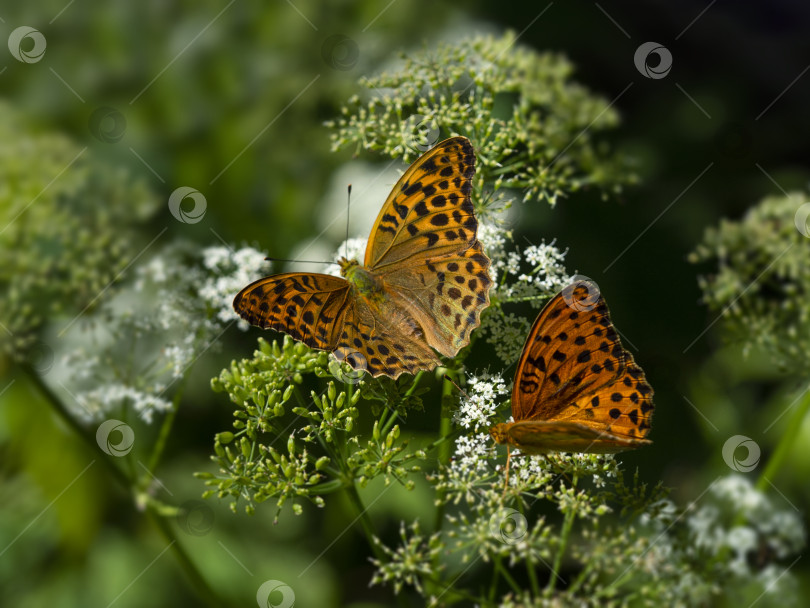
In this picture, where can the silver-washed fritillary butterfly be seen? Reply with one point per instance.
(422, 285)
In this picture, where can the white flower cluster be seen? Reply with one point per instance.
(735, 522)
(530, 275)
(546, 273)
(228, 272)
(475, 414)
(115, 396)
(179, 304)
(780, 529)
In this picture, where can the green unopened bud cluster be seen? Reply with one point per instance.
(457, 88)
(333, 411)
(321, 451)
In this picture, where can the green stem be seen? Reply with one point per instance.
(568, 524)
(493, 584)
(512, 582)
(165, 430)
(785, 444)
(532, 576)
(581, 578)
(198, 583)
(365, 521)
(445, 428)
(196, 579)
(530, 562)
(327, 487)
(60, 409)
(371, 535)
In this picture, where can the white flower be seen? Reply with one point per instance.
(229, 273)
(178, 306)
(741, 539)
(353, 249)
(481, 402)
(113, 397)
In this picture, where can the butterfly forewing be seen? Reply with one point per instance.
(624, 407)
(572, 350)
(576, 388)
(429, 213)
(308, 307)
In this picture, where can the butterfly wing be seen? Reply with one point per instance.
(425, 250)
(572, 350)
(309, 307)
(538, 437)
(387, 343)
(429, 211)
(623, 408)
(576, 388)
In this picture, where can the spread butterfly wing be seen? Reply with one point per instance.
(383, 345)
(424, 246)
(446, 296)
(429, 212)
(623, 408)
(308, 307)
(572, 350)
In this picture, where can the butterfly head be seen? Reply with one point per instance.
(500, 432)
(346, 265)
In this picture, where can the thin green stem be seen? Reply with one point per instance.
(445, 428)
(371, 534)
(529, 561)
(365, 520)
(195, 577)
(165, 430)
(786, 443)
(505, 573)
(568, 524)
(493, 584)
(60, 409)
(327, 487)
(198, 583)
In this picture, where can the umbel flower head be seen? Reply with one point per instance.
(62, 241)
(762, 278)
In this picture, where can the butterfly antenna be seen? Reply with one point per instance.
(301, 261)
(348, 205)
(460, 390)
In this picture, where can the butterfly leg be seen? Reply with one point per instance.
(506, 477)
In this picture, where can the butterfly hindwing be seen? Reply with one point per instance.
(537, 437)
(380, 345)
(447, 297)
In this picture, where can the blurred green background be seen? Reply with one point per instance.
(230, 98)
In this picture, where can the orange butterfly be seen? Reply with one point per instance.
(422, 285)
(576, 388)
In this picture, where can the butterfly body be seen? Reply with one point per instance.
(576, 388)
(362, 281)
(422, 285)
